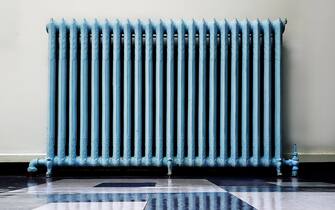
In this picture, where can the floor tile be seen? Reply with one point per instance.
(288, 200)
(302, 184)
(94, 206)
(159, 193)
(9, 183)
(87, 185)
(127, 184)
(180, 201)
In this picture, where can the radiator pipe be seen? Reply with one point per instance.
(33, 164)
(294, 161)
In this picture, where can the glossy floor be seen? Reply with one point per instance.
(162, 193)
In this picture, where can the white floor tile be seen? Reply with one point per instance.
(302, 184)
(94, 206)
(288, 200)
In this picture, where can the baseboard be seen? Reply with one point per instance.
(17, 158)
(303, 157)
(314, 157)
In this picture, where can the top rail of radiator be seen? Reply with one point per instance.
(174, 23)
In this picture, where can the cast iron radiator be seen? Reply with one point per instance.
(166, 93)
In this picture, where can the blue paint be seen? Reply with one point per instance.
(170, 95)
(245, 92)
(267, 92)
(255, 94)
(224, 94)
(127, 100)
(191, 101)
(84, 92)
(73, 90)
(212, 125)
(148, 93)
(202, 127)
(52, 93)
(116, 92)
(159, 94)
(95, 121)
(138, 93)
(181, 94)
(234, 123)
(165, 102)
(105, 92)
(62, 92)
(278, 27)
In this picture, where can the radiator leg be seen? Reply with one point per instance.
(295, 161)
(49, 167)
(278, 167)
(169, 166)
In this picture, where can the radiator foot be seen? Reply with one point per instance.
(295, 161)
(169, 166)
(279, 167)
(49, 168)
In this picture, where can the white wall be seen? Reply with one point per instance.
(309, 57)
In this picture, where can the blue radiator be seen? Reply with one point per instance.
(166, 93)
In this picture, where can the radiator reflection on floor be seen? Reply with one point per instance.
(202, 201)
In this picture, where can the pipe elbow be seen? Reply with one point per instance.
(32, 166)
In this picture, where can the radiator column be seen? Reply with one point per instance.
(181, 94)
(245, 93)
(148, 94)
(105, 93)
(127, 99)
(212, 125)
(84, 92)
(267, 93)
(138, 93)
(116, 92)
(255, 94)
(224, 116)
(62, 93)
(73, 93)
(202, 127)
(159, 124)
(278, 24)
(191, 100)
(52, 95)
(234, 122)
(95, 125)
(170, 96)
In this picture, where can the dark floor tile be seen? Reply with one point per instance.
(192, 201)
(127, 184)
(263, 185)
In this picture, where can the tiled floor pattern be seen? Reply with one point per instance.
(149, 194)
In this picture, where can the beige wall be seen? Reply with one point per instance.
(309, 72)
